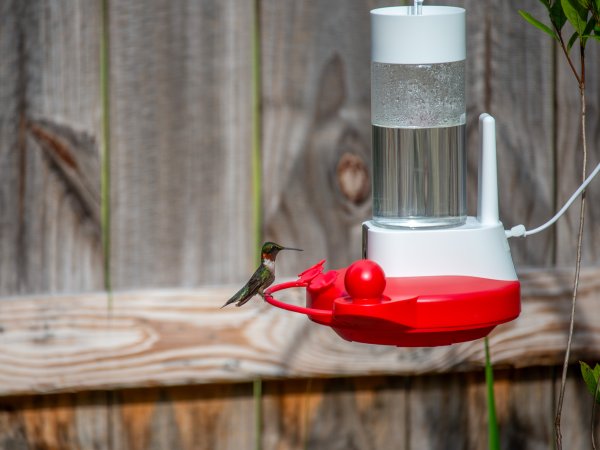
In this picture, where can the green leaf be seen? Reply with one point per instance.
(591, 25)
(546, 3)
(557, 15)
(576, 14)
(595, 8)
(587, 33)
(536, 23)
(572, 40)
(591, 377)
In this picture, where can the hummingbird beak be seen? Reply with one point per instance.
(290, 248)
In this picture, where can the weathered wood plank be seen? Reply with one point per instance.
(49, 141)
(316, 127)
(511, 77)
(65, 421)
(181, 115)
(570, 157)
(577, 411)
(215, 417)
(176, 337)
(438, 413)
(430, 412)
(362, 413)
(451, 411)
(525, 408)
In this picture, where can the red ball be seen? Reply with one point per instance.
(365, 279)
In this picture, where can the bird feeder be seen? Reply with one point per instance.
(431, 275)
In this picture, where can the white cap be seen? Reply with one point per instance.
(436, 36)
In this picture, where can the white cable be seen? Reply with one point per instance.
(520, 231)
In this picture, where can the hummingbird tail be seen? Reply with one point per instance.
(237, 297)
(228, 302)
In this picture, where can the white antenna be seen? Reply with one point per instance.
(487, 198)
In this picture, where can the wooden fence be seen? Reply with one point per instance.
(148, 147)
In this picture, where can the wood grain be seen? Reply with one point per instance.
(525, 407)
(49, 140)
(51, 344)
(181, 90)
(362, 413)
(218, 417)
(438, 410)
(372, 413)
(66, 421)
(503, 81)
(577, 412)
(427, 412)
(570, 157)
(451, 411)
(315, 82)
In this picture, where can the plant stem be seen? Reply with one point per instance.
(594, 413)
(565, 51)
(105, 149)
(493, 434)
(563, 382)
(256, 133)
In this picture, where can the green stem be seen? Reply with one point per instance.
(493, 434)
(594, 406)
(563, 381)
(256, 132)
(105, 149)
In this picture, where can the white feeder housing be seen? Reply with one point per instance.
(420, 226)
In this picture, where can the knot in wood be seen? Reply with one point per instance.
(353, 178)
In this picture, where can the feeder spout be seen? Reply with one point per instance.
(487, 203)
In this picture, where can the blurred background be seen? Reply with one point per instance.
(148, 148)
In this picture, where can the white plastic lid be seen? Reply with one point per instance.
(436, 36)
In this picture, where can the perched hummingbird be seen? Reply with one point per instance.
(263, 277)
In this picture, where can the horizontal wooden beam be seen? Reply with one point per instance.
(169, 337)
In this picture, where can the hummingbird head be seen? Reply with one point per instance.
(270, 249)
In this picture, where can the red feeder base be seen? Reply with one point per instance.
(361, 305)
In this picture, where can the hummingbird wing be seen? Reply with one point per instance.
(249, 290)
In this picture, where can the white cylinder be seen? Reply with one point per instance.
(487, 197)
(436, 36)
(418, 113)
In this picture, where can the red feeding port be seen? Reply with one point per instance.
(362, 305)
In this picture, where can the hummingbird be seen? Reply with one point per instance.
(263, 277)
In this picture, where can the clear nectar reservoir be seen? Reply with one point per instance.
(418, 116)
